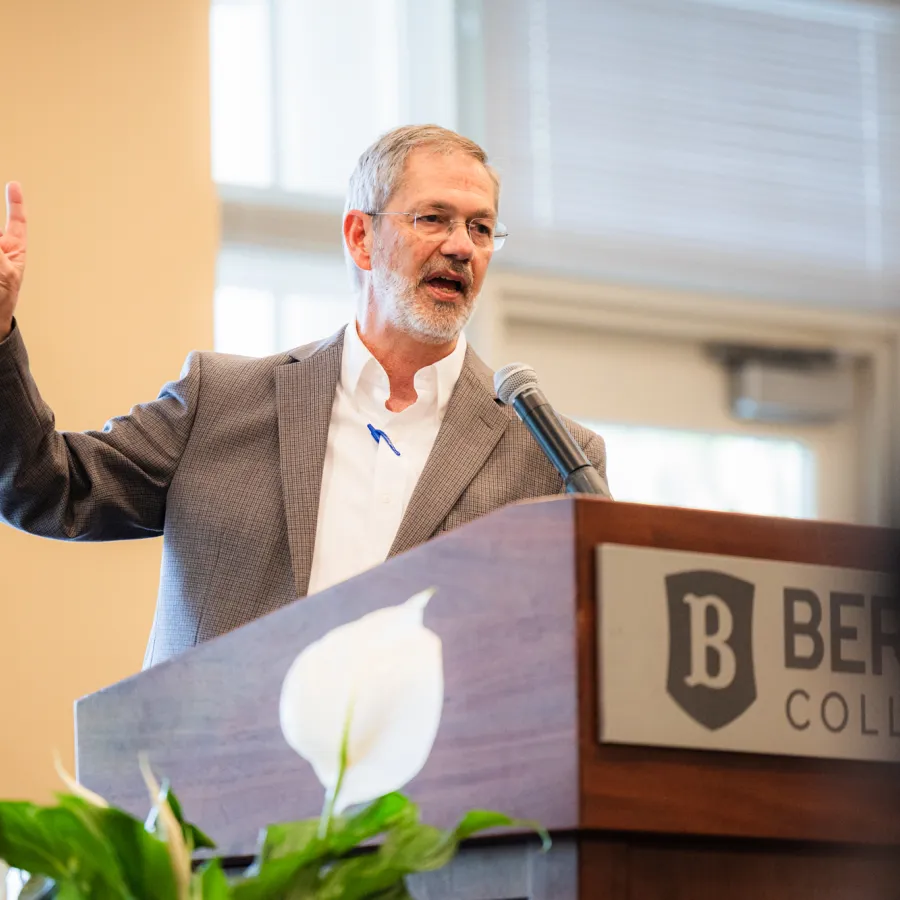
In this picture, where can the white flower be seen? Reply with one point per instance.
(380, 679)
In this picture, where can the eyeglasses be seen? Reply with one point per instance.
(486, 234)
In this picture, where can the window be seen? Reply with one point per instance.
(744, 147)
(241, 92)
(661, 402)
(725, 472)
(269, 301)
(739, 146)
(299, 89)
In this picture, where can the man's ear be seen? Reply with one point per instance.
(358, 237)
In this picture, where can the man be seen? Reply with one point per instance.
(273, 478)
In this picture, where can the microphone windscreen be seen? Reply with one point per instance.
(511, 380)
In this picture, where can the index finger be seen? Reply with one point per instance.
(15, 210)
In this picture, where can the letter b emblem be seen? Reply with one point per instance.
(711, 673)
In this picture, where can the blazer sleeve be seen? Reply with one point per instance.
(595, 451)
(94, 485)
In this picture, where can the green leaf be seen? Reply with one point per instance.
(387, 812)
(70, 891)
(290, 854)
(398, 892)
(278, 878)
(140, 858)
(359, 878)
(64, 843)
(290, 838)
(144, 859)
(104, 852)
(209, 882)
(409, 847)
(193, 836)
(297, 845)
(26, 843)
(483, 819)
(418, 848)
(134, 862)
(304, 885)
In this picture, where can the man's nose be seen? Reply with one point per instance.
(458, 244)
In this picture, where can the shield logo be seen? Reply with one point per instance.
(711, 673)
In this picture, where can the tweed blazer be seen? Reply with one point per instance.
(226, 464)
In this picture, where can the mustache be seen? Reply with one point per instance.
(461, 270)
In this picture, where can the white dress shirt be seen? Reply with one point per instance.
(366, 486)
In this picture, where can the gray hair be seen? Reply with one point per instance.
(379, 172)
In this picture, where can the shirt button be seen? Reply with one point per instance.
(385, 498)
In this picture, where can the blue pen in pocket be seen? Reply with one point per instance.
(378, 434)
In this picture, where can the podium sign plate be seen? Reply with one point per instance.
(728, 653)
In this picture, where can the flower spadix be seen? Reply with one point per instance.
(379, 683)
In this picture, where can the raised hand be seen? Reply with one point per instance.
(13, 242)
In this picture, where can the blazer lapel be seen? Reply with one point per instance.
(473, 424)
(304, 395)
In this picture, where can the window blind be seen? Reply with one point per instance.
(744, 146)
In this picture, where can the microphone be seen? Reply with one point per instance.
(516, 385)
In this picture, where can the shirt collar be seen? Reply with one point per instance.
(361, 371)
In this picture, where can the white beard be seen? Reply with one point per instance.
(430, 320)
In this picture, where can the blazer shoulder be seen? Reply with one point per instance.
(211, 370)
(232, 378)
(581, 433)
(238, 366)
(213, 361)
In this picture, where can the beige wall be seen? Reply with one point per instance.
(104, 120)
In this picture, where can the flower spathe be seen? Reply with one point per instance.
(379, 681)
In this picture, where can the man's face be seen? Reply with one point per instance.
(426, 284)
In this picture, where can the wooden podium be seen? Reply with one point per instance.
(516, 609)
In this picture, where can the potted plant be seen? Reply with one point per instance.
(362, 705)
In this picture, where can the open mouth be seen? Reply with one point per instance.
(446, 286)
